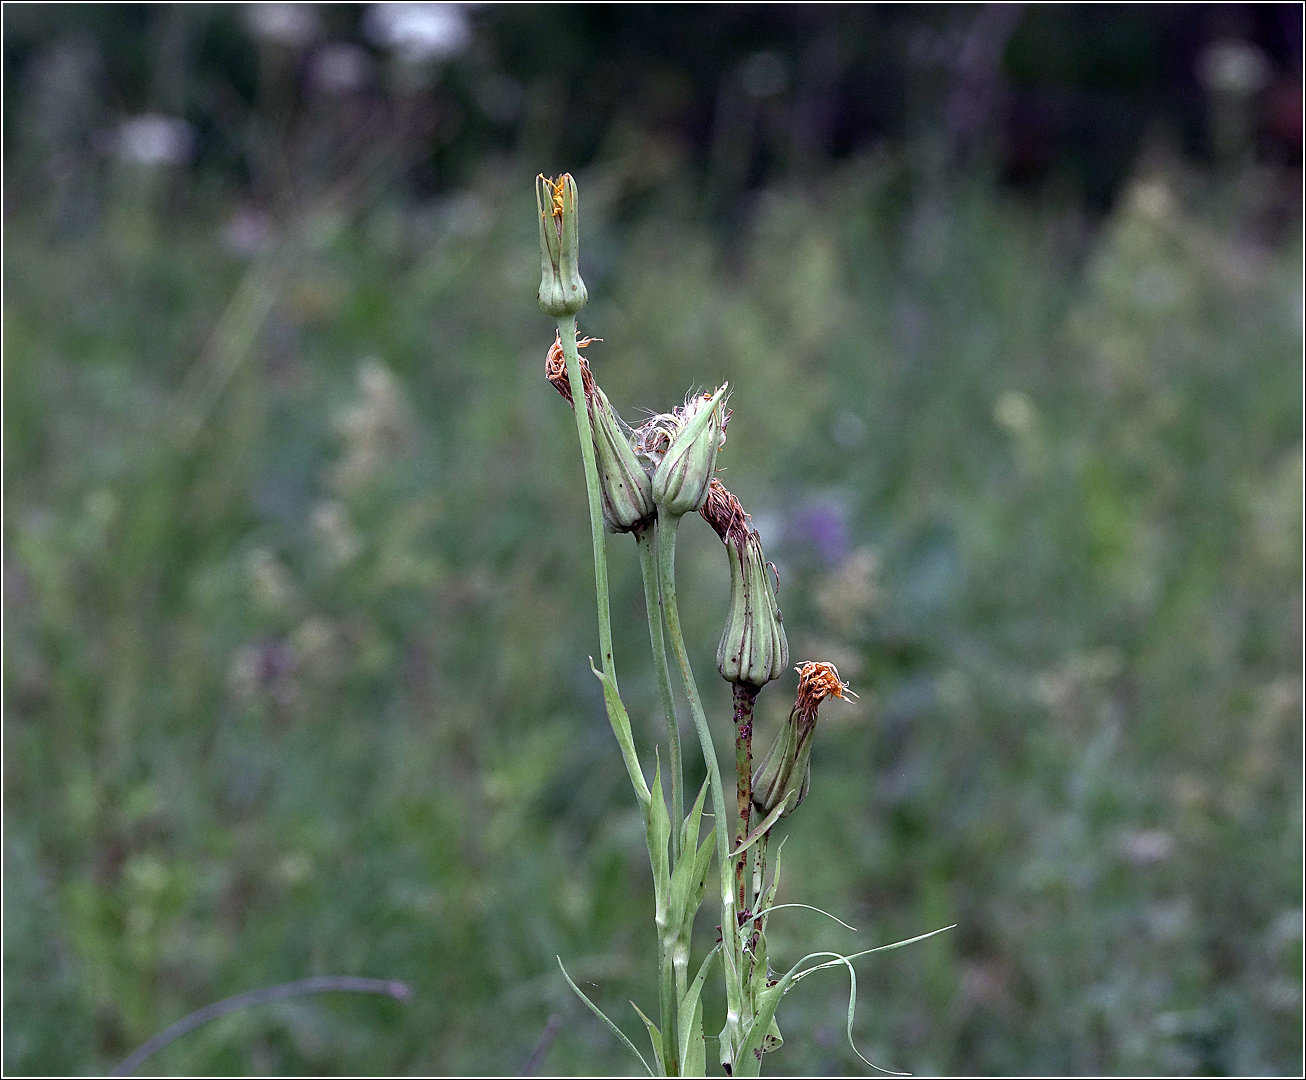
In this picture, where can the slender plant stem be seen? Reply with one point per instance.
(620, 723)
(644, 543)
(744, 696)
(616, 713)
(759, 874)
(730, 957)
(667, 1006)
(672, 976)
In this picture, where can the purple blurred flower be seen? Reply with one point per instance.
(823, 524)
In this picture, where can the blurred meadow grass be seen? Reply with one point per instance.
(298, 604)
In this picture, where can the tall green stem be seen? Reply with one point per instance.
(644, 543)
(616, 715)
(616, 712)
(730, 954)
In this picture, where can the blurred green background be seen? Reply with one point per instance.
(297, 588)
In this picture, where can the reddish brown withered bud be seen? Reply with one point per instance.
(555, 369)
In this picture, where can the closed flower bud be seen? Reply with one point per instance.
(683, 446)
(786, 771)
(623, 481)
(625, 486)
(562, 292)
(753, 649)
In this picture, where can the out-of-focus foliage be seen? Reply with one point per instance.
(297, 610)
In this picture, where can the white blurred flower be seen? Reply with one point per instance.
(1146, 847)
(418, 32)
(1233, 67)
(292, 25)
(339, 67)
(248, 231)
(153, 139)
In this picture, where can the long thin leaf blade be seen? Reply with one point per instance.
(655, 1037)
(688, 1004)
(602, 1016)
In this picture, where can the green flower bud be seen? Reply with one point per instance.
(626, 488)
(683, 445)
(562, 292)
(623, 481)
(786, 772)
(753, 649)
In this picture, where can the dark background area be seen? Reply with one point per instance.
(297, 590)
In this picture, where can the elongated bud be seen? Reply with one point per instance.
(753, 648)
(626, 488)
(623, 481)
(683, 446)
(786, 771)
(562, 292)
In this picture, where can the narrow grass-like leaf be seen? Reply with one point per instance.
(620, 721)
(748, 1061)
(602, 1016)
(809, 907)
(658, 834)
(770, 819)
(690, 827)
(877, 949)
(655, 1037)
(690, 1005)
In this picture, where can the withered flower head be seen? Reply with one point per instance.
(555, 368)
(817, 681)
(786, 771)
(753, 648)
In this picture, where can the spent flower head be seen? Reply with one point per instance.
(785, 774)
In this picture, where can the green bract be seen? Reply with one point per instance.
(625, 486)
(786, 771)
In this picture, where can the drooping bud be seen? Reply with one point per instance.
(753, 648)
(786, 771)
(683, 445)
(562, 292)
(624, 483)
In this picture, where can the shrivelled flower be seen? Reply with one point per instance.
(786, 771)
(682, 446)
(562, 292)
(555, 368)
(624, 483)
(753, 648)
